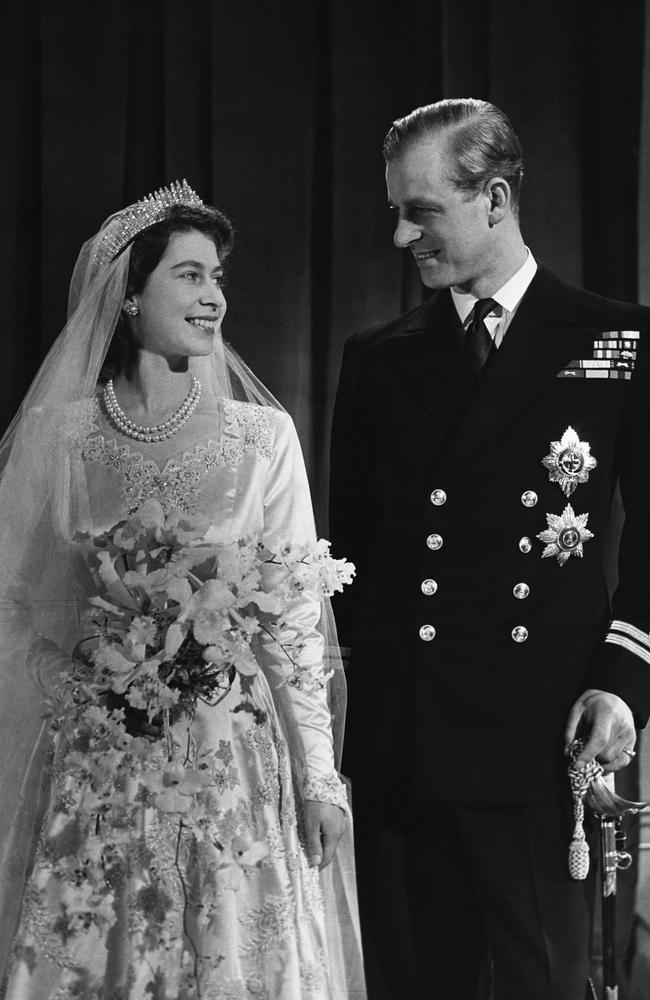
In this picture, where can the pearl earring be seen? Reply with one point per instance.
(131, 309)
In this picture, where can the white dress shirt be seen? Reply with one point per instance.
(507, 298)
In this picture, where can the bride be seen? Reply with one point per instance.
(140, 406)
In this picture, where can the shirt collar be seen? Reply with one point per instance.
(508, 296)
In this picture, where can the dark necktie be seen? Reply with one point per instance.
(478, 342)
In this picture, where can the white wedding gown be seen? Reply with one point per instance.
(191, 920)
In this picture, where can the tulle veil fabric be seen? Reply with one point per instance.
(40, 609)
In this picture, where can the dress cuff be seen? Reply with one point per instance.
(330, 789)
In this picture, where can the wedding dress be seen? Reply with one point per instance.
(242, 915)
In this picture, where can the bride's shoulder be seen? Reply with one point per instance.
(257, 425)
(67, 421)
(240, 410)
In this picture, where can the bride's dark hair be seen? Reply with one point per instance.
(146, 251)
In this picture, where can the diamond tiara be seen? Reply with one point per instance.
(146, 212)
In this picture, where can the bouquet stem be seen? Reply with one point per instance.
(168, 735)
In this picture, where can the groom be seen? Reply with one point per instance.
(477, 443)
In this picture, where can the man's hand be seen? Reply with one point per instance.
(324, 826)
(612, 729)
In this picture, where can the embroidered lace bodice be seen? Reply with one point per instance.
(247, 431)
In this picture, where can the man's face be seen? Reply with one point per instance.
(445, 229)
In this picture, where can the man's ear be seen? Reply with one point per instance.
(498, 192)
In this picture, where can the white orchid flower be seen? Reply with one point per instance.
(114, 585)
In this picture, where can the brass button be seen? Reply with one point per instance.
(521, 590)
(427, 633)
(438, 497)
(529, 498)
(428, 587)
(434, 542)
(520, 633)
(525, 544)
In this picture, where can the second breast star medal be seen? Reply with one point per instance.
(565, 535)
(569, 462)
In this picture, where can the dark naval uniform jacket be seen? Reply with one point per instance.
(477, 516)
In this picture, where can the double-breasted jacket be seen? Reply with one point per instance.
(478, 516)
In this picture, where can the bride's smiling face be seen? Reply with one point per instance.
(182, 305)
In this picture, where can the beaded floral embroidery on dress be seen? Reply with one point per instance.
(327, 789)
(258, 922)
(248, 430)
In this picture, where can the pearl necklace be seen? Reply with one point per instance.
(159, 431)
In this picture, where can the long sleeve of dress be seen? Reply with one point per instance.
(288, 517)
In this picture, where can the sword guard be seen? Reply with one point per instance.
(597, 788)
(590, 784)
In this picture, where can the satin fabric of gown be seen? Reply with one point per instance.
(257, 926)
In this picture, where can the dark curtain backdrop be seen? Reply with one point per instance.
(276, 112)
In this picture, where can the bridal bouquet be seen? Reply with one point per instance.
(178, 615)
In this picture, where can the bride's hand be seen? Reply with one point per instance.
(324, 826)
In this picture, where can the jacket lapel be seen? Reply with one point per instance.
(427, 354)
(543, 337)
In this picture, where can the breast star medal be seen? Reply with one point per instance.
(565, 535)
(570, 461)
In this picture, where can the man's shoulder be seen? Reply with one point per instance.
(593, 309)
(597, 307)
(375, 336)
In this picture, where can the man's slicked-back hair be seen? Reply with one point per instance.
(482, 142)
